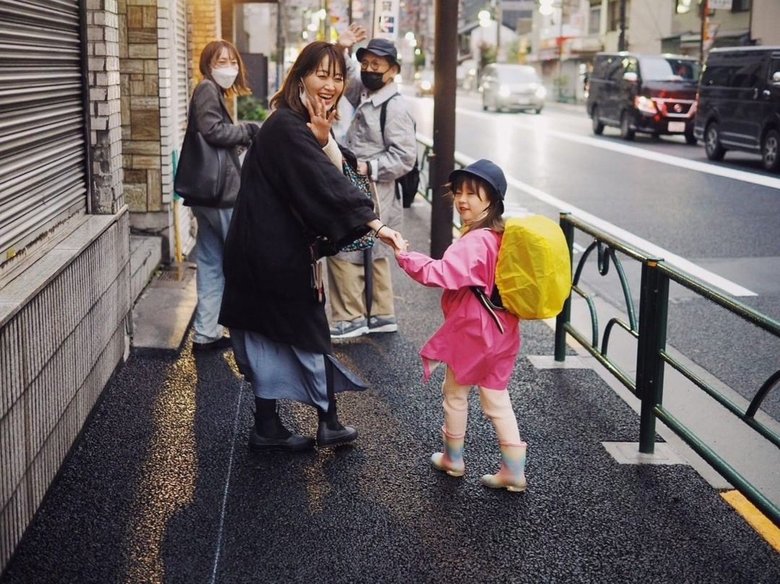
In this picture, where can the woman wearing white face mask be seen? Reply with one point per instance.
(223, 76)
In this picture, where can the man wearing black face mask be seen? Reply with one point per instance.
(384, 154)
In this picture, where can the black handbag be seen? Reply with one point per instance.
(200, 173)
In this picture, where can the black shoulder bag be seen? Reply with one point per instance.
(406, 186)
(200, 173)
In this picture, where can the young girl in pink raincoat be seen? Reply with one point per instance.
(470, 344)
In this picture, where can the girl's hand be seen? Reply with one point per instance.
(392, 238)
(321, 120)
(353, 35)
(362, 167)
(404, 248)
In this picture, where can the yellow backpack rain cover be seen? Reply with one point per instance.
(533, 274)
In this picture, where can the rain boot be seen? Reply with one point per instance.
(451, 460)
(269, 433)
(330, 432)
(511, 475)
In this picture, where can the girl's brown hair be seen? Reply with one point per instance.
(208, 58)
(493, 219)
(307, 63)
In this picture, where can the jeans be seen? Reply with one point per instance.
(212, 229)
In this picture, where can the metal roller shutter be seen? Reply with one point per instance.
(181, 96)
(43, 174)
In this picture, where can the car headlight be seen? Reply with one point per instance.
(504, 91)
(645, 105)
(541, 92)
(425, 85)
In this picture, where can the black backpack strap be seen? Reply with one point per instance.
(489, 306)
(383, 115)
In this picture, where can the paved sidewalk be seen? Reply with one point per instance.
(162, 488)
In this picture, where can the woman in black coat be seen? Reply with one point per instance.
(273, 303)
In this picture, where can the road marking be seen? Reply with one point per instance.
(757, 520)
(741, 175)
(225, 491)
(711, 278)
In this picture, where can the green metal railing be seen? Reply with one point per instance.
(648, 327)
(652, 354)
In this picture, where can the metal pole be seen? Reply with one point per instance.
(622, 37)
(443, 160)
(705, 8)
(279, 46)
(560, 55)
(565, 316)
(499, 18)
(653, 310)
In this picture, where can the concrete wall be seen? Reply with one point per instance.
(63, 320)
(765, 22)
(655, 17)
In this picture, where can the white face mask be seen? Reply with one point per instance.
(224, 76)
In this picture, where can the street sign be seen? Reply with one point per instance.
(386, 19)
(720, 4)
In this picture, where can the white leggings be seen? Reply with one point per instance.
(496, 405)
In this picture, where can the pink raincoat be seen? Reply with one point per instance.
(469, 341)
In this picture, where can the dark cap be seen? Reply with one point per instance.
(380, 48)
(488, 172)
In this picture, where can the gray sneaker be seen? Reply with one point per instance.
(348, 329)
(382, 324)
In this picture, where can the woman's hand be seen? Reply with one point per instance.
(321, 120)
(354, 34)
(392, 238)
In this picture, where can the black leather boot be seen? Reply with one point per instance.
(330, 432)
(269, 433)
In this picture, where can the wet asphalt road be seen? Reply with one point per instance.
(161, 487)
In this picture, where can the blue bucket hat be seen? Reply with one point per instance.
(380, 48)
(488, 172)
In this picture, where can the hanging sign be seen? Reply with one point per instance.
(386, 19)
(719, 4)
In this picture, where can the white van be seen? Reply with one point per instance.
(512, 87)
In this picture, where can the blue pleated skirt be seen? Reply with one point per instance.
(281, 371)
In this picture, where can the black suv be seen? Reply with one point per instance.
(739, 103)
(655, 94)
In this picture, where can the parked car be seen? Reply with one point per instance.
(423, 82)
(512, 87)
(654, 94)
(738, 105)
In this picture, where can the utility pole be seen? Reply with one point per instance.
(622, 38)
(442, 162)
(705, 8)
(499, 19)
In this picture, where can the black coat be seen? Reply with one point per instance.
(267, 260)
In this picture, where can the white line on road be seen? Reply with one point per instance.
(711, 278)
(225, 491)
(741, 175)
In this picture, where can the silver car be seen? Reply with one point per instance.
(512, 87)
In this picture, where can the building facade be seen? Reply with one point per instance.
(94, 107)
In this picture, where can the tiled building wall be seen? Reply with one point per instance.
(63, 321)
(138, 54)
(105, 103)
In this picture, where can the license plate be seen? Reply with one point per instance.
(677, 127)
(523, 101)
